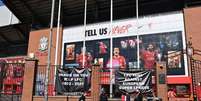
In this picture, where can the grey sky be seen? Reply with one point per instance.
(5, 16)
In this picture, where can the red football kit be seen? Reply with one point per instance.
(121, 60)
(149, 59)
(102, 48)
(117, 62)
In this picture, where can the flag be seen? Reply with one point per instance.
(133, 81)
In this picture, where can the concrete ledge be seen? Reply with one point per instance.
(50, 98)
(60, 98)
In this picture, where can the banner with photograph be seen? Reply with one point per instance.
(96, 51)
(156, 47)
(133, 81)
(159, 41)
(73, 81)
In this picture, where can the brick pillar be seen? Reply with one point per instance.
(95, 81)
(29, 74)
(161, 78)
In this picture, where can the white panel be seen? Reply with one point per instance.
(148, 25)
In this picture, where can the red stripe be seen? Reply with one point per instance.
(179, 80)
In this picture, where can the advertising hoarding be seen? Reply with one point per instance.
(161, 38)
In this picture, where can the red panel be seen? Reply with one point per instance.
(105, 77)
(179, 80)
(198, 92)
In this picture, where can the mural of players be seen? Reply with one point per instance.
(102, 48)
(153, 48)
(149, 56)
(70, 50)
(165, 47)
(117, 59)
(84, 59)
(127, 48)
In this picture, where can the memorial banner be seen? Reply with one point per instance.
(133, 81)
(73, 81)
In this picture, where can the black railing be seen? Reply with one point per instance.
(40, 75)
(104, 72)
(13, 96)
(196, 75)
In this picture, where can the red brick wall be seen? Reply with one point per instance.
(29, 72)
(34, 42)
(161, 88)
(192, 18)
(60, 98)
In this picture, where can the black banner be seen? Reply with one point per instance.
(133, 81)
(73, 81)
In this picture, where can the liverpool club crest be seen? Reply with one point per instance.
(43, 43)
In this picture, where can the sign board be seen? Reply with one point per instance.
(133, 81)
(73, 81)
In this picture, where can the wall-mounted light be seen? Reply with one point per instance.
(199, 84)
(31, 55)
(159, 56)
(190, 50)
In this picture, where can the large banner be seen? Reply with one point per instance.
(159, 40)
(73, 81)
(133, 81)
(153, 47)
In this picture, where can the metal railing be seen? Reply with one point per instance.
(196, 78)
(104, 72)
(39, 87)
(10, 97)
